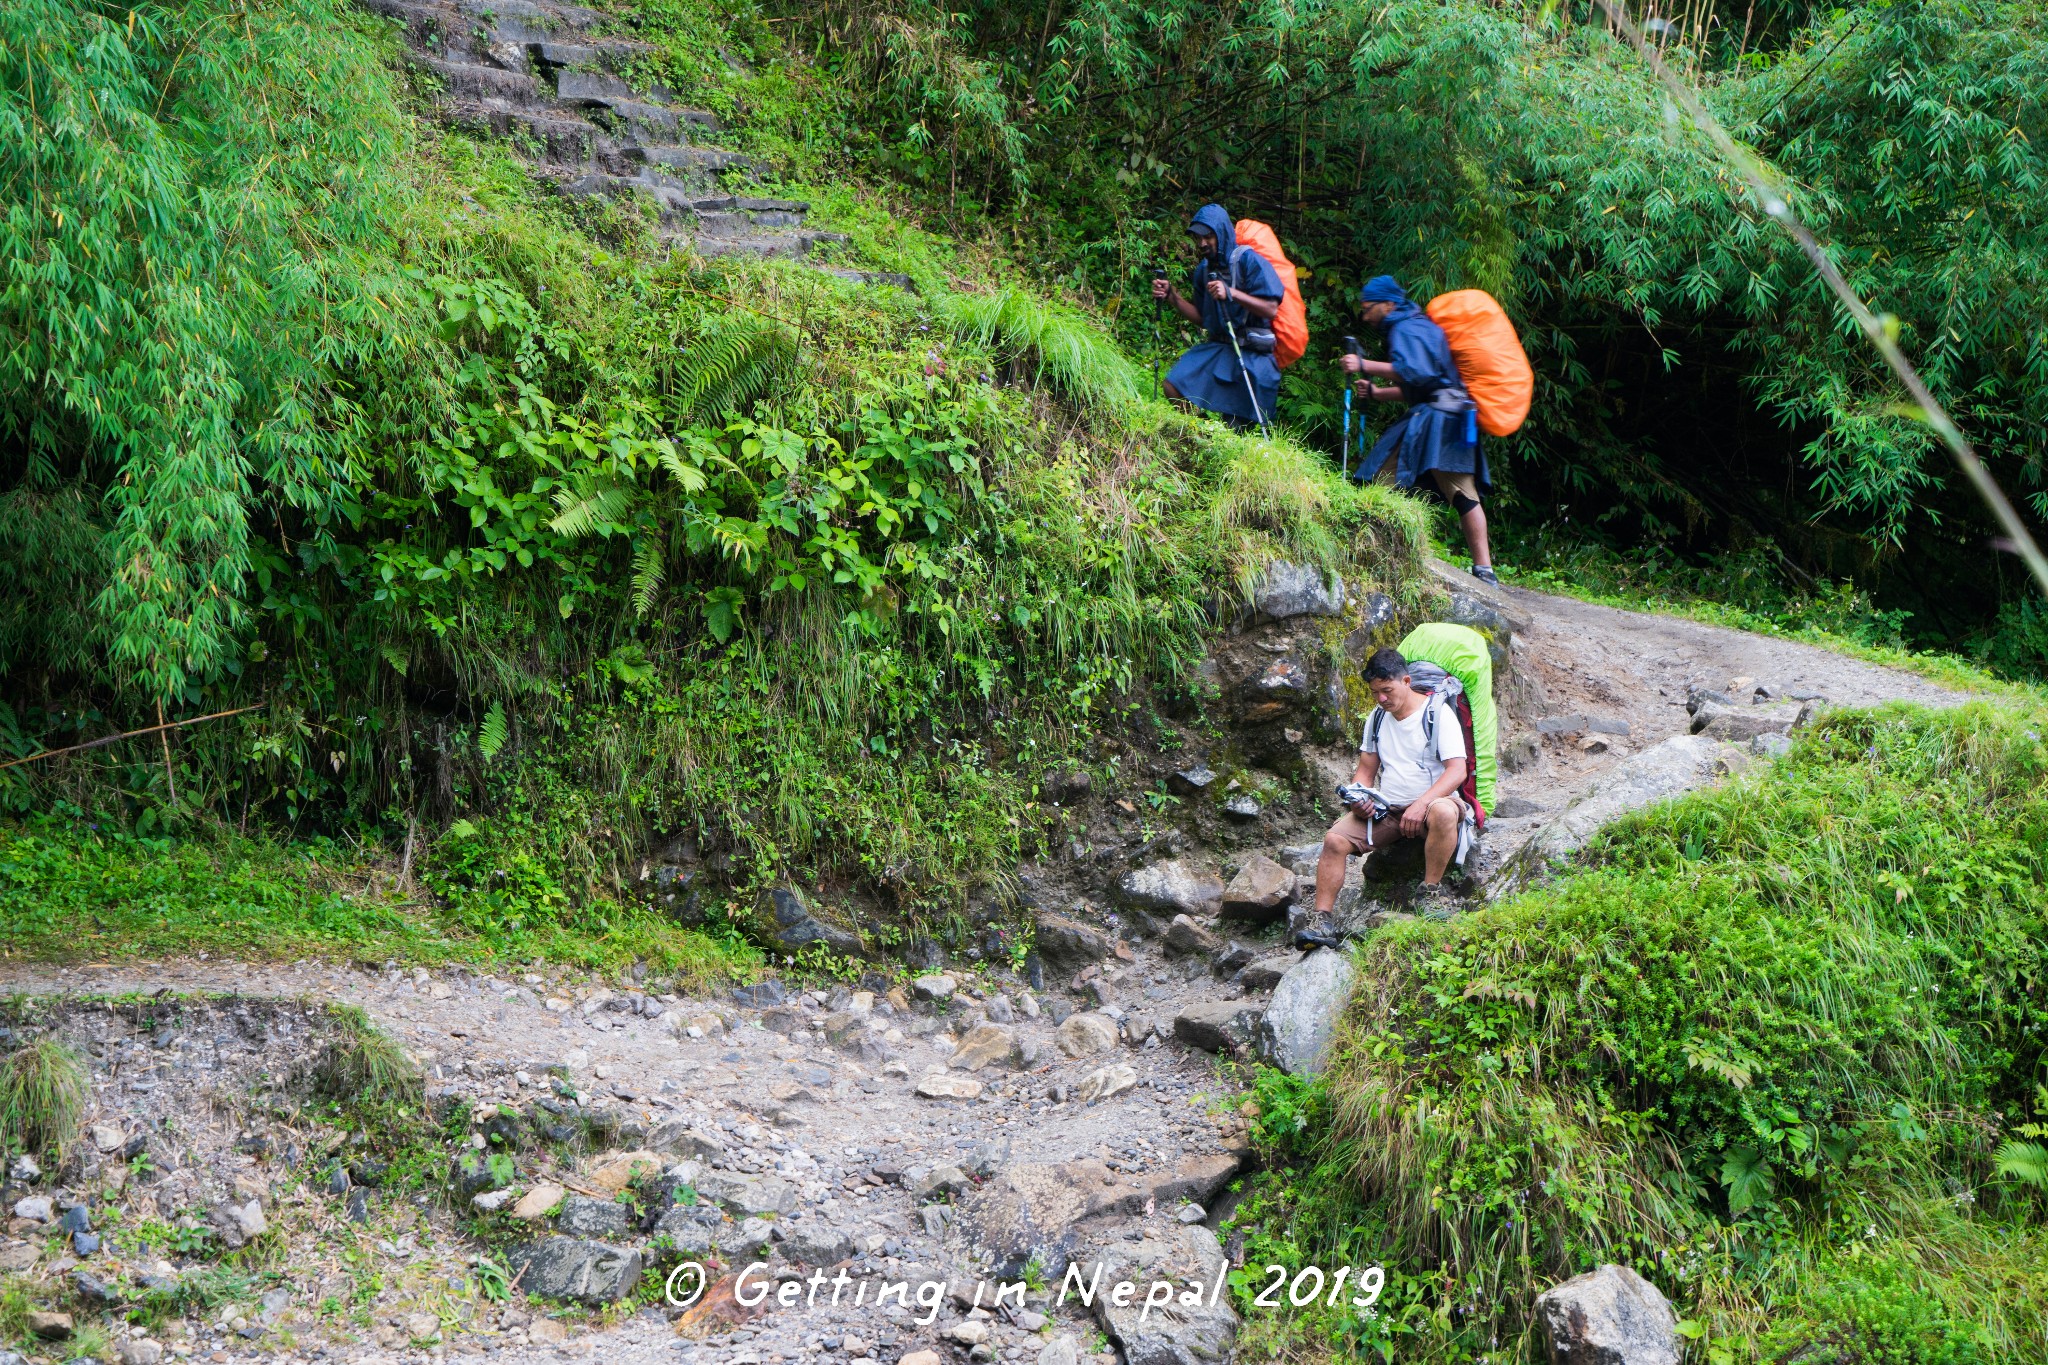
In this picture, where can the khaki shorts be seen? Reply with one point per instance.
(1450, 484)
(1351, 828)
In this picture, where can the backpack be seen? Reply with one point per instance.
(1290, 324)
(1489, 356)
(1465, 655)
(1446, 693)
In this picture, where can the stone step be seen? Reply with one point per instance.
(688, 159)
(588, 52)
(477, 83)
(524, 21)
(561, 139)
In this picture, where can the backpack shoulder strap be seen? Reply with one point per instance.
(1372, 729)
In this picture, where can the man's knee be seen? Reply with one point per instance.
(1443, 813)
(1337, 842)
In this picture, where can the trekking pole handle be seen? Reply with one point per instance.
(1351, 346)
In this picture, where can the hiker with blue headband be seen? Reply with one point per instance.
(1435, 444)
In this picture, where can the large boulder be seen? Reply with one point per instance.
(1288, 590)
(571, 1268)
(790, 927)
(1033, 1212)
(1173, 887)
(1176, 1332)
(1608, 1316)
(1297, 1028)
(1260, 892)
(1676, 766)
(1224, 1026)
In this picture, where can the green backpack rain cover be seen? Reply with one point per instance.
(1463, 653)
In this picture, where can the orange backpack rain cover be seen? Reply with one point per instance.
(1489, 355)
(1290, 324)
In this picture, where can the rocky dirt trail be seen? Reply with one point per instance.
(973, 1127)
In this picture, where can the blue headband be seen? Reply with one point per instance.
(1382, 289)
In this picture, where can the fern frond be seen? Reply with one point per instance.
(595, 511)
(647, 574)
(2026, 1162)
(491, 735)
(734, 362)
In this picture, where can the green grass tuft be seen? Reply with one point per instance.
(362, 1065)
(42, 1098)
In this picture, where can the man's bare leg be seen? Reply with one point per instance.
(1440, 842)
(1330, 868)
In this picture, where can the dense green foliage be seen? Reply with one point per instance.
(595, 546)
(1697, 386)
(1764, 1046)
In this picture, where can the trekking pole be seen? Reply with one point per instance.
(1344, 452)
(1158, 273)
(1250, 392)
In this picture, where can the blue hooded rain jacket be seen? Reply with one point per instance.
(1208, 376)
(1432, 433)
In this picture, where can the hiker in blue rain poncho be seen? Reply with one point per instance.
(1236, 285)
(1435, 444)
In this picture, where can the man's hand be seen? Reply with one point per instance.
(1351, 364)
(1219, 290)
(1414, 818)
(1363, 388)
(1162, 289)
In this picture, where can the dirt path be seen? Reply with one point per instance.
(814, 1122)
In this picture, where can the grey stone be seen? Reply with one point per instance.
(23, 1170)
(1607, 725)
(815, 1242)
(1185, 938)
(85, 1243)
(1176, 1334)
(1231, 958)
(1563, 725)
(747, 1195)
(1288, 590)
(471, 1173)
(790, 927)
(984, 1044)
(1608, 1316)
(1260, 892)
(1697, 696)
(1068, 943)
(1000, 1010)
(761, 995)
(1085, 1035)
(1676, 766)
(582, 1216)
(1376, 614)
(143, 1352)
(1038, 1212)
(239, 1224)
(571, 1268)
(934, 987)
(682, 1137)
(686, 1230)
(37, 1208)
(1714, 721)
(1104, 1082)
(1175, 886)
(744, 1239)
(1193, 780)
(1514, 807)
(941, 1182)
(1243, 808)
(1297, 1028)
(1771, 746)
(1222, 1026)
(1192, 1213)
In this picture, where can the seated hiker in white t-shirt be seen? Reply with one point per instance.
(1417, 779)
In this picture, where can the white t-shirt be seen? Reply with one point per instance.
(1406, 769)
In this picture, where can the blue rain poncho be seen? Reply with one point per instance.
(1207, 376)
(1432, 433)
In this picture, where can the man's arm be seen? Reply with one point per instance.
(1414, 813)
(1368, 768)
(1262, 309)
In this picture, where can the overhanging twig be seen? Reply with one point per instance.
(132, 734)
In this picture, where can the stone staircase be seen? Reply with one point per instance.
(543, 75)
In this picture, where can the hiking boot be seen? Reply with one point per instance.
(1485, 574)
(1437, 903)
(1319, 932)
